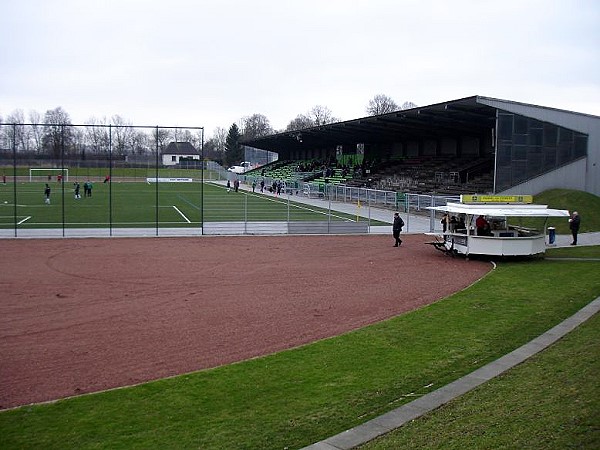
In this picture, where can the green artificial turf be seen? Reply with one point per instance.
(142, 204)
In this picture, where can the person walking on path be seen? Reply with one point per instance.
(47, 191)
(397, 228)
(574, 222)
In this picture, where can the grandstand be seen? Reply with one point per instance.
(471, 145)
(424, 175)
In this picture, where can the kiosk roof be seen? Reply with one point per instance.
(502, 210)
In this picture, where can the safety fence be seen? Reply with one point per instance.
(107, 180)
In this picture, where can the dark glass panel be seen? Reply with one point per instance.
(536, 136)
(550, 135)
(565, 136)
(580, 145)
(521, 124)
(519, 153)
(505, 126)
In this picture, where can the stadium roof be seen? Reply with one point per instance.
(455, 118)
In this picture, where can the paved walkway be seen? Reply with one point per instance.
(396, 418)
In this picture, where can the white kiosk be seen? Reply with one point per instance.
(495, 236)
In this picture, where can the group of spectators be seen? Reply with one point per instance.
(328, 168)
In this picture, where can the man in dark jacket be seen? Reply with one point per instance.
(397, 228)
(574, 226)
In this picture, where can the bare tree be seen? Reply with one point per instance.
(10, 134)
(318, 115)
(140, 143)
(381, 104)
(321, 115)
(220, 139)
(58, 133)
(78, 143)
(122, 135)
(98, 137)
(409, 105)
(160, 138)
(35, 118)
(187, 136)
(255, 126)
(301, 121)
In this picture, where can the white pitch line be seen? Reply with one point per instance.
(24, 220)
(182, 215)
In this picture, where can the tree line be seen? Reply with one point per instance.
(53, 136)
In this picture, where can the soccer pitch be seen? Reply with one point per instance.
(143, 204)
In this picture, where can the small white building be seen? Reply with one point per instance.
(176, 151)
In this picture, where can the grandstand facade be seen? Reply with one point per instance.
(471, 145)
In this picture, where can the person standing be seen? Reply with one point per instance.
(574, 222)
(397, 228)
(445, 220)
(77, 187)
(482, 226)
(47, 191)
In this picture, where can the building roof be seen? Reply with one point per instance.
(469, 116)
(452, 118)
(180, 148)
(501, 210)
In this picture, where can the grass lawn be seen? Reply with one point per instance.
(142, 204)
(580, 251)
(586, 204)
(300, 396)
(551, 401)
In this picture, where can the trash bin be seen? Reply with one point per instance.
(551, 235)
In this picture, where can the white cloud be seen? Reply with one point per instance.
(208, 64)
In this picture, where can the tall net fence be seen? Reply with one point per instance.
(121, 180)
(117, 180)
(67, 177)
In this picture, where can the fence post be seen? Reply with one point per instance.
(156, 176)
(407, 209)
(62, 165)
(110, 174)
(245, 213)
(432, 215)
(329, 211)
(14, 148)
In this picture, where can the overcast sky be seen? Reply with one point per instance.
(210, 63)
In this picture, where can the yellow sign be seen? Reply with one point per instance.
(496, 198)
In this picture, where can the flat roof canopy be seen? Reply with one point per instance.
(501, 210)
(456, 118)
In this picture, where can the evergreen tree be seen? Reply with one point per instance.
(233, 150)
